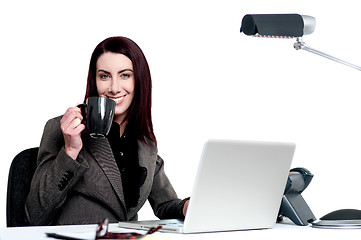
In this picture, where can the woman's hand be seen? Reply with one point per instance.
(185, 207)
(71, 127)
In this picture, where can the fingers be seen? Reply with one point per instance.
(72, 127)
(71, 121)
(70, 114)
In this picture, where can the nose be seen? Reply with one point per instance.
(114, 87)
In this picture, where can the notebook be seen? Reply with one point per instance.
(238, 186)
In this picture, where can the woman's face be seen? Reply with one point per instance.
(115, 80)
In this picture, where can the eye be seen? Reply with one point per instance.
(104, 76)
(125, 75)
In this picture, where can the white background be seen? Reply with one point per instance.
(209, 81)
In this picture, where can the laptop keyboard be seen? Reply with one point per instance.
(170, 223)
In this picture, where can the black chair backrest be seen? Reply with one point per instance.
(21, 173)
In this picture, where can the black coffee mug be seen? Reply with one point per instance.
(98, 114)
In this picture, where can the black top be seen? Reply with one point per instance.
(125, 150)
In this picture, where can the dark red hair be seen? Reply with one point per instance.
(139, 115)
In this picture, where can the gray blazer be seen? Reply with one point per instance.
(89, 189)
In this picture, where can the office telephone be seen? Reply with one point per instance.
(293, 205)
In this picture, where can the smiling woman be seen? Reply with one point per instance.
(118, 54)
(114, 176)
(115, 80)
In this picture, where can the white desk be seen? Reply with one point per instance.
(280, 230)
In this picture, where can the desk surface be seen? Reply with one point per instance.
(280, 229)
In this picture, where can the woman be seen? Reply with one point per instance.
(81, 180)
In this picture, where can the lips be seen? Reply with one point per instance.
(118, 100)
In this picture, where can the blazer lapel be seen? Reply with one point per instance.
(147, 155)
(102, 152)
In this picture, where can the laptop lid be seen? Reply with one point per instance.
(239, 185)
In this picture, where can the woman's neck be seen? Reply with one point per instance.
(122, 125)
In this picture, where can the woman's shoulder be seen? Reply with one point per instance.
(147, 147)
(54, 121)
(53, 125)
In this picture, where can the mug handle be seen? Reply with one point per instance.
(83, 113)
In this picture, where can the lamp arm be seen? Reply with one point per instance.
(302, 45)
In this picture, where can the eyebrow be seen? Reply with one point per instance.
(121, 71)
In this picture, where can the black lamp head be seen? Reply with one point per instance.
(278, 25)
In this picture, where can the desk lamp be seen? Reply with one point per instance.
(285, 26)
(295, 26)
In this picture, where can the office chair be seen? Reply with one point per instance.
(21, 173)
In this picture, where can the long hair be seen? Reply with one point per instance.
(139, 113)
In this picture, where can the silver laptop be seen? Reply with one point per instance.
(238, 186)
